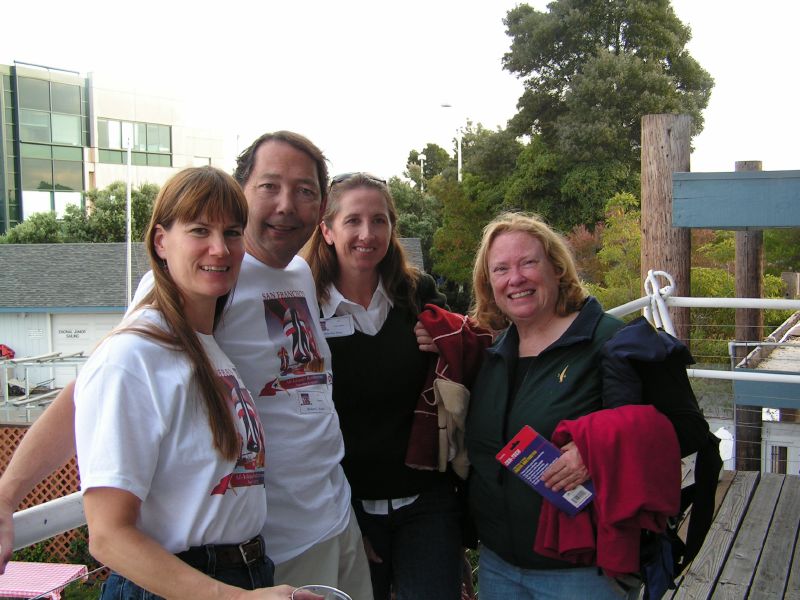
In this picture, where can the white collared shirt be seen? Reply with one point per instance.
(368, 321)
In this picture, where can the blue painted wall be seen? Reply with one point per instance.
(743, 200)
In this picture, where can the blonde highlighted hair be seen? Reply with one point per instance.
(571, 293)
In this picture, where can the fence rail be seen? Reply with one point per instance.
(54, 517)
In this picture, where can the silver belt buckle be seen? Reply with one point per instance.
(250, 551)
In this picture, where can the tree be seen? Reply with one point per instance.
(464, 214)
(419, 215)
(592, 69)
(585, 245)
(571, 48)
(490, 155)
(620, 253)
(106, 218)
(436, 161)
(782, 250)
(102, 221)
(39, 228)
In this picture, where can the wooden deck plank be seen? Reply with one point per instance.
(737, 575)
(776, 559)
(725, 480)
(701, 576)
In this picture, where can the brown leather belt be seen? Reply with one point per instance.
(225, 555)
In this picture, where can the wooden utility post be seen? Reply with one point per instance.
(749, 328)
(749, 276)
(665, 150)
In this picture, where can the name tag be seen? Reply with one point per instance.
(312, 402)
(338, 326)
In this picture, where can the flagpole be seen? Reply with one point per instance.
(128, 269)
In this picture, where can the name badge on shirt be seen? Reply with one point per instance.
(337, 326)
(312, 402)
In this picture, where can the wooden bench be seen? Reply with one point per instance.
(752, 549)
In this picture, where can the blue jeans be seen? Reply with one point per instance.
(499, 580)
(420, 545)
(256, 575)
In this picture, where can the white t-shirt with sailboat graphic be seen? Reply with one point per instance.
(141, 427)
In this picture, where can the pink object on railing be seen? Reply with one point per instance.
(32, 579)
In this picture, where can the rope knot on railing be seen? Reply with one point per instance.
(656, 311)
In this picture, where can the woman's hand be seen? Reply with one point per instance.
(424, 339)
(372, 556)
(568, 472)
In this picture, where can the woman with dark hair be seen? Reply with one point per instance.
(370, 297)
(170, 447)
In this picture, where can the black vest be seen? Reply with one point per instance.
(376, 383)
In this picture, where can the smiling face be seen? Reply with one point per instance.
(284, 202)
(360, 231)
(523, 279)
(203, 258)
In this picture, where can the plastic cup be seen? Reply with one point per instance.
(327, 592)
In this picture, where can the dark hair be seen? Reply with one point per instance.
(398, 276)
(244, 162)
(194, 193)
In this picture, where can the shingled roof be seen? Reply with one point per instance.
(36, 276)
(90, 276)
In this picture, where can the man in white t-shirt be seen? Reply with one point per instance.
(271, 332)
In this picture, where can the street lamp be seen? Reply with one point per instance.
(128, 223)
(459, 136)
(421, 158)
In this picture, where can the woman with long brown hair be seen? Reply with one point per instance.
(370, 297)
(170, 448)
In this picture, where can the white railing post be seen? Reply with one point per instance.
(43, 521)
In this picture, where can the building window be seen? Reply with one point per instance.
(52, 178)
(778, 458)
(61, 200)
(52, 132)
(67, 175)
(34, 126)
(37, 174)
(34, 93)
(35, 202)
(151, 143)
(65, 98)
(66, 129)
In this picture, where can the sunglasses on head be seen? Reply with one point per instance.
(345, 176)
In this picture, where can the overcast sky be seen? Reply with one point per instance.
(365, 79)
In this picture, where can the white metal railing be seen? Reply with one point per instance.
(656, 303)
(45, 520)
(51, 518)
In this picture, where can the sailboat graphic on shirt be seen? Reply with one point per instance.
(249, 467)
(289, 320)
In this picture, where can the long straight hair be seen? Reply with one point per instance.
(398, 275)
(192, 194)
